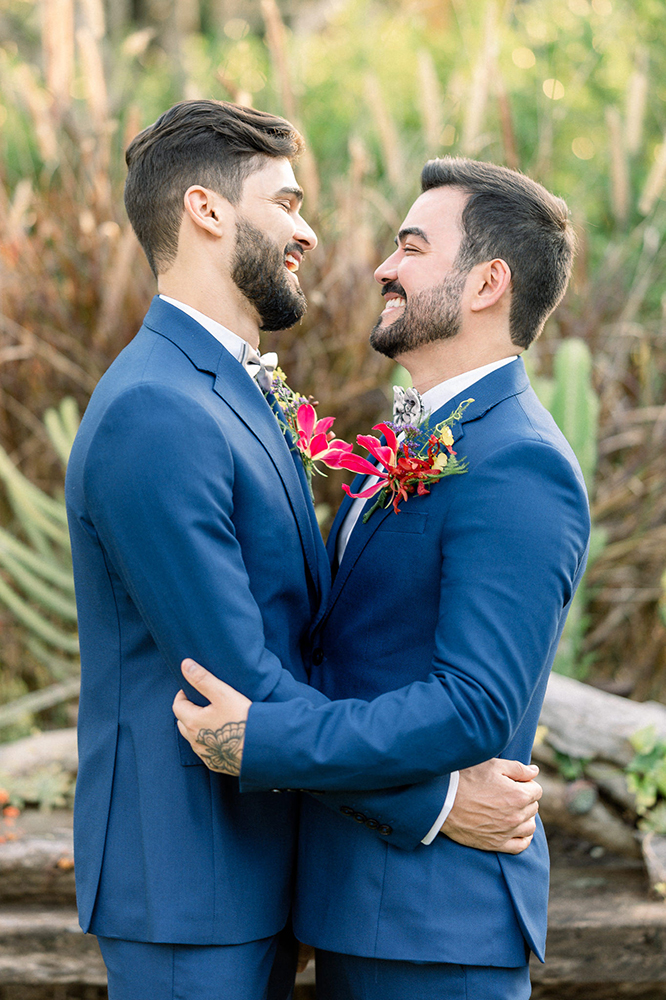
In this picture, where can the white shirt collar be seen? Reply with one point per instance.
(233, 343)
(440, 394)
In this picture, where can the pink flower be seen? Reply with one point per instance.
(315, 439)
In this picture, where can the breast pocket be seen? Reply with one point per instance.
(407, 521)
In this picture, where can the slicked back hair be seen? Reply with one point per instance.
(212, 143)
(511, 217)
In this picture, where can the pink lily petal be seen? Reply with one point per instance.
(305, 419)
(391, 439)
(354, 463)
(364, 494)
(380, 451)
(318, 444)
(324, 425)
(337, 449)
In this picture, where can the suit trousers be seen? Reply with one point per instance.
(350, 977)
(257, 970)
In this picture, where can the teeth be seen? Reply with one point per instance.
(291, 262)
(394, 303)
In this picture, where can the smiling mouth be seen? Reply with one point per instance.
(292, 263)
(394, 302)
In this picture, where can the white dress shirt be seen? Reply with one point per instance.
(433, 399)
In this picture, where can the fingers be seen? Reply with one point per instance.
(184, 710)
(519, 772)
(201, 679)
(515, 846)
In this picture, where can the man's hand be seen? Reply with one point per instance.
(495, 806)
(215, 732)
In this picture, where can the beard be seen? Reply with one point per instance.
(258, 270)
(434, 314)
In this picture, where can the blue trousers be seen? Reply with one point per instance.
(349, 977)
(257, 970)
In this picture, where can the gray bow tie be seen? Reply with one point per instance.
(260, 367)
(408, 408)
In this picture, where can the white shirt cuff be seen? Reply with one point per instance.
(446, 808)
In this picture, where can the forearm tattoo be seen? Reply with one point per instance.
(223, 748)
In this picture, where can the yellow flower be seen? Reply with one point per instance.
(440, 461)
(446, 437)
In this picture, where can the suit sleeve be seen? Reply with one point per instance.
(169, 536)
(513, 551)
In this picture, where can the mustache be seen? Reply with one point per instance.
(294, 247)
(395, 287)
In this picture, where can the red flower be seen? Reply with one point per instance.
(401, 474)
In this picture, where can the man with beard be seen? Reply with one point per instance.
(192, 531)
(461, 596)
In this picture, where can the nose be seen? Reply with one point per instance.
(388, 270)
(304, 234)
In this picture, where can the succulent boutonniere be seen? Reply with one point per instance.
(423, 457)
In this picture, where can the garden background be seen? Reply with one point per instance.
(573, 92)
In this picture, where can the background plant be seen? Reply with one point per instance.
(571, 91)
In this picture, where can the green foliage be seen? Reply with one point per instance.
(48, 787)
(37, 584)
(571, 768)
(646, 778)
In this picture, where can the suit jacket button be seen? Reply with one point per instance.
(385, 830)
(372, 824)
(347, 810)
(317, 656)
(359, 817)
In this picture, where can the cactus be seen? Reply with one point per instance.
(571, 399)
(36, 582)
(575, 405)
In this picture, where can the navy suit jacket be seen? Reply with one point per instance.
(458, 601)
(192, 534)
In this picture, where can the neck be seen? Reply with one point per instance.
(436, 362)
(218, 299)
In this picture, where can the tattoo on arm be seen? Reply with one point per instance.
(223, 747)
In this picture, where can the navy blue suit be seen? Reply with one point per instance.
(459, 600)
(192, 534)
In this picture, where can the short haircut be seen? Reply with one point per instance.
(211, 143)
(511, 217)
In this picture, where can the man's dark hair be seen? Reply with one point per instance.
(212, 143)
(512, 217)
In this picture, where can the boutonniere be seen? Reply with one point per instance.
(423, 457)
(312, 438)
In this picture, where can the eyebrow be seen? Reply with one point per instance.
(411, 231)
(295, 192)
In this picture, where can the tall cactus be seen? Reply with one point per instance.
(571, 399)
(36, 582)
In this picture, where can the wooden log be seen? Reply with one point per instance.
(597, 824)
(589, 724)
(58, 746)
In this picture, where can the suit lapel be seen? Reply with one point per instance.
(240, 392)
(507, 381)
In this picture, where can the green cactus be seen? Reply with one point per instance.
(574, 404)
(36, 581)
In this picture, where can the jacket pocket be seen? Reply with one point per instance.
(409, 522)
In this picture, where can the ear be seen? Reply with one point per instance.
(206, 209)
(491, 281)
